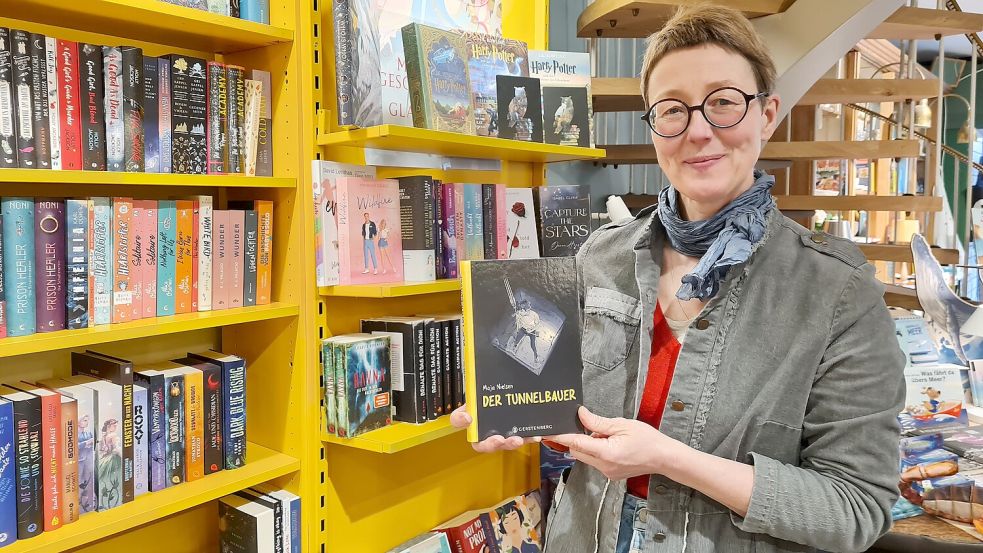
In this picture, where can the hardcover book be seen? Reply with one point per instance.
(212, 393)
(70, 115)
(488, 57)
(341, 15)
(8, 104)
(101, 264)
(564, 69)
(133, 100)
(93, 107)
(53, 103)
(184, 264)
(520, 108)
(440, 92)
(250, 255)
(264, 153)
(156, 418)
(188, 115)
(27, 448)
(264, 265)
(237, 222)
(410, 365)
(449, 230)
(291, 515)
(39, 102)
(77, 256)
(245, 525)
(934, 398)
(69, 442)
(277, 508)
(49, 261)
(51, 455)
(108, 439)
(965, 442)
(521, 239)
(220, 269)
(112, 66)
(8, 478)
(236, 120)
(253, 110)
(203, 263)
(564, 218)
(166, 256)
(330, 411)
(194, 468)
(122, 283)
(521, 347)
(566, 116)
(474, 233)
(234, 404)
(138, 226)
(416, 214)
(23, 84)
(86, 405)
(141, 439)
(218, 119)
(326, 175)
(149, 263)
(366, 404)
(164, 113)
(151, 114)
(168, 377)
(369, 234)
(18, 265)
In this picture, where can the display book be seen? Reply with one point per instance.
(78, 263)
(261, 519)
(250, 10)
(81, 106)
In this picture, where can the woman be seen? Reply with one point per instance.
(384, 247)
(741, 375)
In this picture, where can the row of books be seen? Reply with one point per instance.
(76, 263)
(404, 368)
(79, 106)
(418, 229)
(261, 519)
(513, 525)
(250, 10)
(112, 432)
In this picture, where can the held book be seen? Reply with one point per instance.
(521, 347)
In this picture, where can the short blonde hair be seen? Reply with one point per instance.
(700, 24)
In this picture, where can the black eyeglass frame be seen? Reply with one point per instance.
(748, 98)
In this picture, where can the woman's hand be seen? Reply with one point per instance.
(461, 419)
(622, 448)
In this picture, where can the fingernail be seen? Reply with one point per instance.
(538, 439)
(467, 418)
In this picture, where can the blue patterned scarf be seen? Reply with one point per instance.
(722, 241)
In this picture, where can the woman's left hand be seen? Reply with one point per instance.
(622, 448)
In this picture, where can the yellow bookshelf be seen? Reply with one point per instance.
(109, 178)
(398, 437)
(394, 290)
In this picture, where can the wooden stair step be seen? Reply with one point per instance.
(826, 203)
(627, 154)
(639, 18)
(925, 23)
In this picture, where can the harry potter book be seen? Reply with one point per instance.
(564, 69)
(521, 347)
(566, 117)
(440, 92)
(488, 57)
(520, 108)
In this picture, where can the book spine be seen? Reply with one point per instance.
(8, 477)
(86, 453)
(3, 293)
(52, 102)
(188, 115)
(234, 8)
(236, 265)
(141, 440)
(250, 136)
(8, 105)
(450, 230)
(457, 363)
(341, 388)
(39, 102)
(438, 230)
(90, 241)
(93, 100)
(156, 416)
(69, 454)
(460, 223)
(197, 118)
(330, 395)
(250, 257)
(77, 295)
(30, 494)
(446, 349)
(102, 259)
(489, 213)
(194, 430)
(150, 259)
(212, 405)
(220, 7)
(264, 267)
(18, 265)
(136, 254)
(195, 246)
(417, 79)
(122, 231)
(220, 294)
(264, 153)
(255, 10)
(133, 147)
(166, 257)
(501, 222)
(23, 83)
(164, 113)
(49, 263)
(218, 119)
(422, 368)
(343, 232)
(175, 429)
(205, 250)
(237, 119)
(184, 257)
(112, 69)
(433, 370)
(343, 61)
(51, 461)
(234, 414)
(70, 101)
(151, 114)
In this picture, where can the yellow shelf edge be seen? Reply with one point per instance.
(394, 290)
(262, 464)
(110, 178)
(400, 436)
(64, 339)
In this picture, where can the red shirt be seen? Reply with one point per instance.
(662, 363)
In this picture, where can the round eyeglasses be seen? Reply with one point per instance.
(722, 108)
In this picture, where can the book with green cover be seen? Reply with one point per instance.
(440, 90)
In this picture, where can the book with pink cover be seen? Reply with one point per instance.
(236, 267)
(369, 242)
(220, 259)
(137, 255)
(149, 263)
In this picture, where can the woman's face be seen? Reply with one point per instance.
(707, 165)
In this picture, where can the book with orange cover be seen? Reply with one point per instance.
(184, 258)
(122, 280)
(264, 269)
(70, 471)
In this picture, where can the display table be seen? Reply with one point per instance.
(926, 533)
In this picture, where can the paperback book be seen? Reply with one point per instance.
(326, 253)
(369, 234)
(564, 218)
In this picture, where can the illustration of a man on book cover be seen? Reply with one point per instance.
(529, 330)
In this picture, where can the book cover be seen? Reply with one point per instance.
(342, 19)
(194, 430)
(255, 10)
(195, 245)
(164, 113)
(449, 229)
(566, 116)
(438, 229)
(102, 259)
(8, 478)
(218, 115)
(156, 425)
(489, 218)
(965, 442)
(501, 221)
(23, 83)
(52, 463)
(166, 257)
(234, 8)
(474, 233)
(520, 108)
(250, 137)
(18, 264)
(211, 399)
(264, 153)
(93, 114)
(220, 7)
(410, 365)
(330, 404)
(435, 399)
(68, 440)
(141, 439)
(460, 221)
(53, 103)
(122, 230)
(565, 69)
(416, 215)
(188, 115)
(250, 256)
(138, 226)
(440, 91)
(340, 385)
(564, 218)
(49, 263)
(369, 234)
(934, 398)
(184, 257)
(521, 347)
(108, 411)
(452, 370)
(326, 174)
(291, 515)
(488, 57)
(245, 525)
(133, 100)
(204, 249)
(27, 449)
(277, 508)
(77, 257)
(431, 542)
(8, 106)
(522, 239)
(367, 404)
(264, 267)
(112, 68)
(236, 265)
(174, 415)
(39, 102)
(71, 102)
(221, 279)
(233, 402)
(151, 114)
(457, 361)
(150, 254)
(85, 406)
(235, 123)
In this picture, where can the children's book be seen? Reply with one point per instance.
(520, 108)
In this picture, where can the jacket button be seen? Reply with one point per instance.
(702, 324)
(817, 238)
(661, 489)
(643, 515)
(677, 406)
(659, 537)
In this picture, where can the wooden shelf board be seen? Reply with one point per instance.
(827, 203)
(901, 253)
(262, 464)
(412, 139)
(64, 339)
(627, 154)
(398, 437)
(925, 23)
(150, 21)
(652, 14)
(394, 290)
(900, 296)
(111, 178)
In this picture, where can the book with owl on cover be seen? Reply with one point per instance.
(440, 91)
(520, 108)
(521, 347)
(564, 69)
(566, 119)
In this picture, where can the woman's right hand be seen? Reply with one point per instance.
(461, 419)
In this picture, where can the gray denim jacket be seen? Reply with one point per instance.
(793, 367)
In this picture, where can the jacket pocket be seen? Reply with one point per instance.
(777, 441)
(611, 322)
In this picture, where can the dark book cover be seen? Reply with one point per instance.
(241, 522)
(218, 115)
(564, 218)
(409, 389)
(27, 445)
(367, 405)
(566, 117)
(212, 407)
(133, 100)
(151, 114)
(416, 216)
(153, 381)
(70, 99)
(520, 108)
(49, 262)
(434, 387)
(965, 442)
(251, 257)
(8, 103)
(118, 371)
(489, 214)
(440, 262)
(234, 404)
(446, 369)
(457, 363)
(273, 505)
(93, 107)
(188, 115)
(341, 15)
(449, 229)
(112, 72)
(39, 102)
(23, 83)
(175, 439)
(234, 9)
(522, 346)
(77, 293)
(164, 113)
(236, 123)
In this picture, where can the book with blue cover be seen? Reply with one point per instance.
(18, 265)
(77, 268)
(166, 256)
(233, 403)
(153, 381)
(488, 57)
(365, 365)
(101, 261)
(8, 497)
(440, 91)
